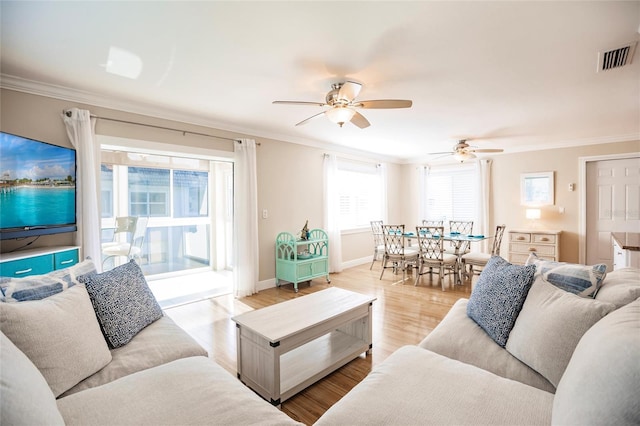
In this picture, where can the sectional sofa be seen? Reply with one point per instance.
(65, 359)
(568, 360)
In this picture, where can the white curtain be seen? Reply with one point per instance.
(483, 174)
(331, 203)
(81, 131)
(423, 172)
(245, 223)
(382, 172)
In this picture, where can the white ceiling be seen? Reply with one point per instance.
(512, 75)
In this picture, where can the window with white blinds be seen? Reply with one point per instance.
(451, 194)
(360, 194)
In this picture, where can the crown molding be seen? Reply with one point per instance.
(79, 96)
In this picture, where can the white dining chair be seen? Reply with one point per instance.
(432, 253)
(480, 259)
(463, 227)
(378, 240)
(395, 252)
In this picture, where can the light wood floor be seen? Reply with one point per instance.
(403, 314)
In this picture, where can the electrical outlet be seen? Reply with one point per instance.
(265, 214)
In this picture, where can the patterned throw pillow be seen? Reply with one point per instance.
(582, 280)
(123, 302)
(498, 297)
(37, 287)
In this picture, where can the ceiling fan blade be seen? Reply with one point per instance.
(441, 153)
(486, 150)
(444, 154)
(298, 103)
(306, 120)
(349, 91)
(384, 103)
(359, 120)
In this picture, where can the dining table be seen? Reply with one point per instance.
(457, 239)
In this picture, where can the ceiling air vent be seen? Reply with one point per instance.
(617, 57)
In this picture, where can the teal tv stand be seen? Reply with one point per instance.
(300, 260)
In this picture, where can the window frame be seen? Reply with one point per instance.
(370, 169)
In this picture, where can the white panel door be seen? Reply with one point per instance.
(613, 205)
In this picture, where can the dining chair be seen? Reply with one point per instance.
(429, 222)
(463, 227)
(432, 253)
(480, 259)
(395, 252)
(378, 240)
(131, 249)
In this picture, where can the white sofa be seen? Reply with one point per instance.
(160, 377)
(583, 374)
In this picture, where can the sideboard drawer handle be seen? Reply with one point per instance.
(532, 249)
(520, 238)
(24, 271)
(64, 262)
(544, 239)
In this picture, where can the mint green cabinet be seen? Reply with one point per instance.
(300, 260)
(37, 261)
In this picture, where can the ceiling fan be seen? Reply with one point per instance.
(342, 102)
(463, 151)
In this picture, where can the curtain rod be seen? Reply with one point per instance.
(184, 132)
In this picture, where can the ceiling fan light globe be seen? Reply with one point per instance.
(461, 156)
(340, 115)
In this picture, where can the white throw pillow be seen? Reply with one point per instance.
(549, 327)
(59, 334)
(26, 398)
(602, 382)
(621, 287)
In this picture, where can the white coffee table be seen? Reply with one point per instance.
(286, 347)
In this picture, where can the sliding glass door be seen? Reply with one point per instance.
(188, 202)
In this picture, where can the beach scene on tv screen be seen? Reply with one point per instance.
(37, 183)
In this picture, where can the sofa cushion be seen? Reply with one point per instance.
(59, 334)
(621, 287)
(26, 397)
(36, 287)
(549, 327)
(583, 280)
(601, 384)
(123, 302)
(498, 296)
(159, 343)
(414, 386)
(188, 391)
(459, 337)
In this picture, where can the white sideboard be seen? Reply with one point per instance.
(522, 242)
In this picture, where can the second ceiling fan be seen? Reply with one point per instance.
(342, 104)
(463, 151)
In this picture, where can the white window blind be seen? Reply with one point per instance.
(451, 194)
(360, 194)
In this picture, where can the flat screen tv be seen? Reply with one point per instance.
(37, 188)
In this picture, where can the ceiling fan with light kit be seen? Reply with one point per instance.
(342, 104)
(463, 151)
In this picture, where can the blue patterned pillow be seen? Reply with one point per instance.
(123, 302)
(583, 280)
(498, 297)
(37, 287)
